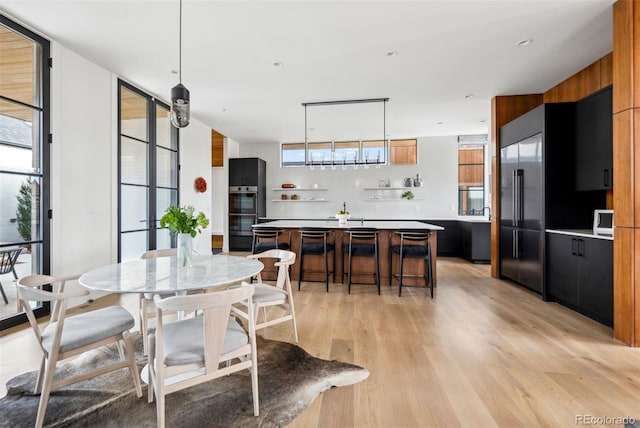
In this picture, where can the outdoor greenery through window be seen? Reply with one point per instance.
(471, 179)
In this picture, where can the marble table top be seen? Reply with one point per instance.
(162, 275)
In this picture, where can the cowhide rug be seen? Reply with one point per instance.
(289, 380)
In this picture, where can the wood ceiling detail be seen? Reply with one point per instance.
(17, 70)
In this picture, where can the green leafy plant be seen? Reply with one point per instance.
(407, 195)
(23, 212)
(182, 220)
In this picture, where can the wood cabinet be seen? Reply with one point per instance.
(580, 274)
(594, 141)
(217, 148)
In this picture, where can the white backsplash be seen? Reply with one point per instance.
(438, 198)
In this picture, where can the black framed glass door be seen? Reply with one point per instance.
(24, 162)
(147, 171)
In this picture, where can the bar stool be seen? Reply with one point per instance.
(268, 238)
(414, 244)
(315, 242)
(363, 242)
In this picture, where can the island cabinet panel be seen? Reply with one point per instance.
(314, 265)
(580, 275)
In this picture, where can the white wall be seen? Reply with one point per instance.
(82, 169)
(195, 161)
(437, 199)
(84, 178)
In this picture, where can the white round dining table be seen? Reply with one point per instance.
(163, 275)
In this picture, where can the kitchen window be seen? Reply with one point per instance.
(471, 179)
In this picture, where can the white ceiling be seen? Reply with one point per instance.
(332, 50)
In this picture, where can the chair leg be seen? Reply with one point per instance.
(300, 268)
(144, 325)
(50, 368)
(254, 383)
(377, 270)
(40, 379)
(326, 271)
(160, 403)
(4, 296)
(133, 367)
(349, 273)
(429, 269)
(400, 277)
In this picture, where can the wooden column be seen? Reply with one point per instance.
(503, 110)
(626, 171)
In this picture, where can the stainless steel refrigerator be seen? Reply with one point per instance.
(522, 212)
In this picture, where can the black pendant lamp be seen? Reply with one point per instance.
(180, 113)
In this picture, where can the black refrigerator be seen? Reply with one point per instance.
(247, 200)
(521, 212)
(538, 190)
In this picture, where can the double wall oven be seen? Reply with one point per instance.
(247, 200)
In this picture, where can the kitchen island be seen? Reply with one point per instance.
(386, 230)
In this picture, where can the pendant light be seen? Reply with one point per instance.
(180, 113)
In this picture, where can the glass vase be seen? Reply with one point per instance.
(185, 249)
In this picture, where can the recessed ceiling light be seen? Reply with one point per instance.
(524, 42)
(439, 123)
(468, 96)
(174, 71)
(483, 120)
(278, 64)
(392, 53)
(224, 110)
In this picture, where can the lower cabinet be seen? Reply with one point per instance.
(475, 240)
(580, 275)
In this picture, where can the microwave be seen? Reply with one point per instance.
(603, 222)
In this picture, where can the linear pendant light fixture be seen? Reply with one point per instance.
(355, 162)
(180, 113)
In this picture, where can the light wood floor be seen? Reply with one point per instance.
(483, 353)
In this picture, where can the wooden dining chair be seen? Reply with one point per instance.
(64, 337)
(191, 351)
(146, 308)
(279, 295)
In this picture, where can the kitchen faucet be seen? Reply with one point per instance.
(487, 208)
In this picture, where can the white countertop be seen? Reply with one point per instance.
(333, 224)
(586, 233)
(163, 275)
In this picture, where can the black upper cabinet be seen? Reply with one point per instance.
(247, 172)
(594, 141)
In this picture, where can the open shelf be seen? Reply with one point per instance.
(299, 200)
(392, 188)
(396, 200)
(296, 189)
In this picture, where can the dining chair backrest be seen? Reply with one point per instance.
(285, 259)
(8, 258)
(29, 291)
(165, 252)
(191, 351)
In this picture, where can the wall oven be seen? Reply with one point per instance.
(243, 212)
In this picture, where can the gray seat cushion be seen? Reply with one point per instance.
(184, 340)
(90, 327)
(268, 293)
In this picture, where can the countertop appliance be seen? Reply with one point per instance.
(247, 200)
